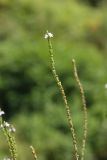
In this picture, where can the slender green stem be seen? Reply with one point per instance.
(10, 140)
(84, 109)
(11, 143)
(69, 117)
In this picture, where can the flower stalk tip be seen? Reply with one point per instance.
(48, 35)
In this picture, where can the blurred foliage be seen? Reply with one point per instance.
(93, 3)
(28, 92)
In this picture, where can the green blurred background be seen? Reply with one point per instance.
(28, 92)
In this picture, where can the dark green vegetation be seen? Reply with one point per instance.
(28, 92)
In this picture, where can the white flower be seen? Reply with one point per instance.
(1, 125)
(12, 129)
(48, 35)
(6, 124)
(1, 112)
(106, 86)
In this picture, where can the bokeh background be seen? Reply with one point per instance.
(28, 92)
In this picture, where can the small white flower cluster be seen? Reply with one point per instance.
(106, 86)
(48, 35)
(5, 124)
(12, 129)
(8, 126)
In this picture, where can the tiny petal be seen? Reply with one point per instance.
(12, 129)
(1, 125)
(46, 36)
(50, 35)
(6, 124)
(1, 113)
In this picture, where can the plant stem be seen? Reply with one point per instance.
(84, 109)
(33, 152)
(69, 117)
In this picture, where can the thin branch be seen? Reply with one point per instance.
(69, 117)
(84, 109)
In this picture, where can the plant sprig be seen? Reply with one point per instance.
(48, 36)
(69, 116)
(8, 133)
